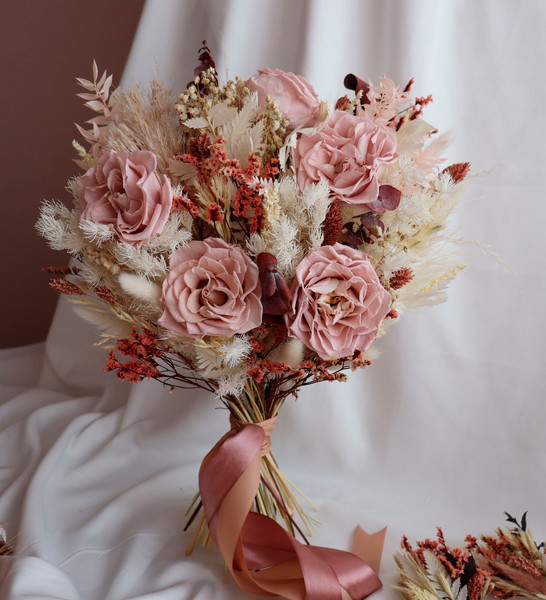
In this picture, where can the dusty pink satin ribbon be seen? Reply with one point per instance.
(263, 557)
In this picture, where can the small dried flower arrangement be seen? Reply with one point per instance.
(507, 564)
(250, 240)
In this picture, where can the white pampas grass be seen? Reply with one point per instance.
(216, 358)
(140, 288)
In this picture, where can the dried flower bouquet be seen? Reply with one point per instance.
(252, 240)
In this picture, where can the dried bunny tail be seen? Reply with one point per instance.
(60, 227)
(149, 123)
(140, 288)
(290, 353)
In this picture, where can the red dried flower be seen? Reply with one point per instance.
(185, 203)
(213, 213)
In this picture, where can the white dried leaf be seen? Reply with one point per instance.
(197, 123)
(242, 136)
(433, 565)
(412, 136)
(222, 113)
(182, 170)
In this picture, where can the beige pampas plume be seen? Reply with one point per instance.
(95, 313)
(140, 288)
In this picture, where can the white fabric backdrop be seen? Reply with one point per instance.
(447, 428)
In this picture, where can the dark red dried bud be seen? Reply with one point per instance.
(352, 82)
(276, 296)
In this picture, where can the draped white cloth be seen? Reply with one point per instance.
(447, 427)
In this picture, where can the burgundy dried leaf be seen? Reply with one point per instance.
(349, 238)
(372, 225)
(388, 198)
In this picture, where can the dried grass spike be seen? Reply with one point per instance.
(65, 287)
(332, 226)
(458, 171)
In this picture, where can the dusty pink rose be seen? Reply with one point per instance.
(212, 288)
(124, 191)
(350, 153)
(338, 302)
(299, 103)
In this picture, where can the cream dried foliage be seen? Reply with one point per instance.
(176, 233)
(217, 358)
(96, 233)
(60, 227)
(149, 122)
(143, 263)
(293, 222)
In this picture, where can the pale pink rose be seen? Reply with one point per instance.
(212, 288)
(349, 153)
(299, 103)
(338, 302)
(124, 191)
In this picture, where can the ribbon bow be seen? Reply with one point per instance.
(263, 557)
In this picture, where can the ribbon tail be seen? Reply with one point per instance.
(369, 547)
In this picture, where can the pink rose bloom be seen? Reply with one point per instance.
(338, 302)
(124, 191)
(350, 153)
(212, 288)
(299, 103)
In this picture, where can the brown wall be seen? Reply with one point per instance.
(44, 45)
